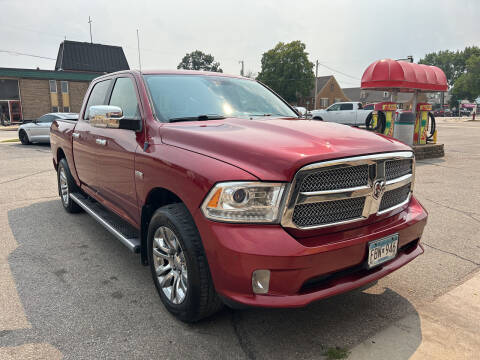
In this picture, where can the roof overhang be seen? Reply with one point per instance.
(391, 75)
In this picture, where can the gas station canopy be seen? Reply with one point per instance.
(389, 75)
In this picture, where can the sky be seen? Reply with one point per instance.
(343, 35)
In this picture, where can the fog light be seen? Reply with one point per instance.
(260, 281)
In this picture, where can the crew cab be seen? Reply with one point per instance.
(348, 113)
(229, 197)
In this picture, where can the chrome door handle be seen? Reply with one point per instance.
(102, 142)
(76, 135)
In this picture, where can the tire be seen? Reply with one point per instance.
(24, 137)
(317, 118)
(66, 185)
(188, 291)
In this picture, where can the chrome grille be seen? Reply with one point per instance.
(394, 197)
(346, 190)
(328, 212)
(339, 178)
(397, 168)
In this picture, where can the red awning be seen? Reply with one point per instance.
(388, 74)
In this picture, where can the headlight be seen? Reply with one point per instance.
(251, 202)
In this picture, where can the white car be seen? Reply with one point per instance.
(39, 130)
(348, 113)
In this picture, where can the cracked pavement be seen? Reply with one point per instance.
(70, 289)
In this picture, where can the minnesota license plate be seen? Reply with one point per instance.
(382, 250)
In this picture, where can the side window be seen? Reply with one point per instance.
(334, 107)
(97, 96)
(45, 118)
(125, 96)
(346, 106)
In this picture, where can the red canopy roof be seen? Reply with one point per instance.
(388, 74)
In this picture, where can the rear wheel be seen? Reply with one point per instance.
(24, 137)
(66, 185)
(179, 266)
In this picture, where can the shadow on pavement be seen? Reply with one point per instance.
(86, 294)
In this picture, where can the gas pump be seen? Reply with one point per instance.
(389, 110)
(421, 122)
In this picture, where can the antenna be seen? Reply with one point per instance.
(138, 46)
(90, 23)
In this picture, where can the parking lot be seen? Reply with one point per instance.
(68, 287)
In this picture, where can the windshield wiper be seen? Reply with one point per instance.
(260, 115)
(197, 118)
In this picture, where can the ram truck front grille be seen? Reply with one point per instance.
(346, 190)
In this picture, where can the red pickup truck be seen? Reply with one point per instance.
(229, 197)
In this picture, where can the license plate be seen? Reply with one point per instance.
(382, 250)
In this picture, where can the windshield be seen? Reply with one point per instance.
(193, 96)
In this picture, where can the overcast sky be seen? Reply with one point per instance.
(345, 35)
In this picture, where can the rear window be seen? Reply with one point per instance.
(97, 96)
(346, 106)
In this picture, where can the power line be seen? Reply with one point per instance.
(338, 71)
(25, 54)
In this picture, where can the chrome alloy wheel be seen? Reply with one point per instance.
(64, 186)
(170, 265)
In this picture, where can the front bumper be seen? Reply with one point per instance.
(302, 272)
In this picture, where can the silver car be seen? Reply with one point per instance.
(39, 130)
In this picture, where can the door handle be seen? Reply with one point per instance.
(76, 135)
(102, 142)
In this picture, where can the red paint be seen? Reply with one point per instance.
(189, 158)
(388, 74)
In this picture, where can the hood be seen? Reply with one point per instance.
(274, 149)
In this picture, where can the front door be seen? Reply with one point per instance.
(333, 113)
(85, 150)
(116, 153)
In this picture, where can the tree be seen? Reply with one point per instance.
(287, 70)
(198, 60)
(467, 86)
(453, 63)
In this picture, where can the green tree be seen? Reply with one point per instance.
(453, 63)
(287, 70)
(197, 60)
(467, 86)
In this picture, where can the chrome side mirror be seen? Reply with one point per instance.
(108, 116)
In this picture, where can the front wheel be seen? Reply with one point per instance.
(24, 137)
(318, 118)
(179, 266)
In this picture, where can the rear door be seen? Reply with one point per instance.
(347, 114)
(116, 153)
(85, 149)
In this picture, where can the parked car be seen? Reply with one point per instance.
(439, 113)
(38, 131)
(229, 197)
(348, 113)
(465, 112)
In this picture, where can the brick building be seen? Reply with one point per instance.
(26, 94)
(328, 92)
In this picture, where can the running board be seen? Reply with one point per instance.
(127, 234)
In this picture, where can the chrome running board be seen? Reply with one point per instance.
(127, 234)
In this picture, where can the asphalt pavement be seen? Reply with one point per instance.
(69, 288)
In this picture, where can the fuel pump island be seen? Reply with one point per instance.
(412, 127)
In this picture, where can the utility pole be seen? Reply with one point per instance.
(138, 47)
(90, 23)
(316, 76)
(243, 64)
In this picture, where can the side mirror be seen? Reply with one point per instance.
(107, 116)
